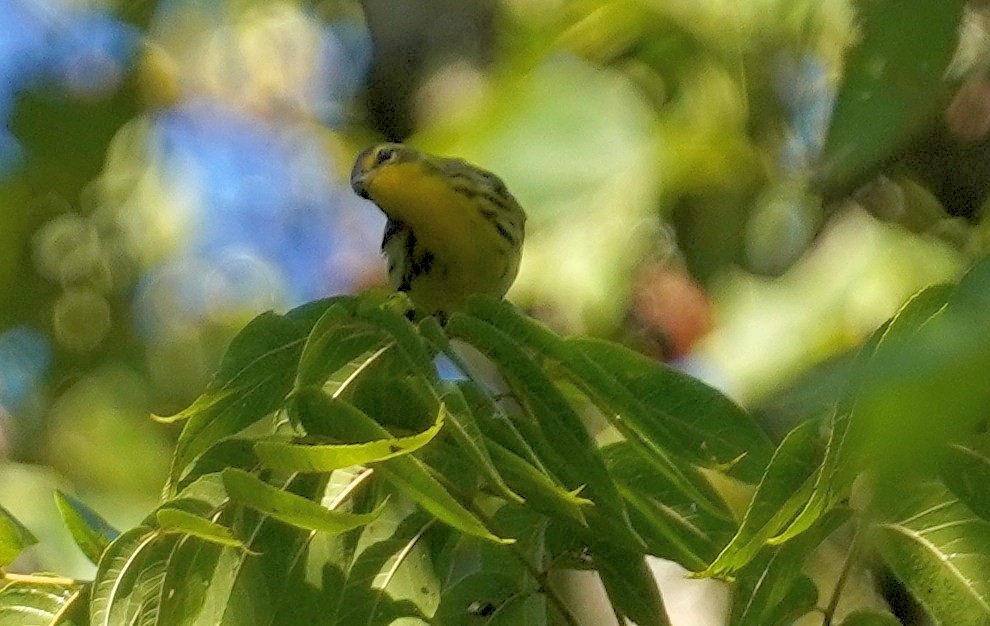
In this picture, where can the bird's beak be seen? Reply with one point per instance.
(359, 175)
(357, 184)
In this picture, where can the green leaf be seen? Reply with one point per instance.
(847, 450)
(127, 587)
(254, 378)
(206, 583)
(892, 85)
(325, 458)
(229, 452)
(967, 473)
(674, 411)
(498, 426)
(870, 618)
(468, 434)
(337, 339)
(801, 599)
(330, 417)
(539, 491)
(253, 492)
(481, 598)
(922, 394)
(973, 292)
(630, 585)
(42, 604)
(89, 530)
(782, 492)
(940, 551)
(637, 421)
(670, 522)
(14, 537)
(560, 424)
(405, 335)
(768, 587)
(362, 595)
(178, 520)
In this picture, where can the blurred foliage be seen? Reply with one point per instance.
(745, 189)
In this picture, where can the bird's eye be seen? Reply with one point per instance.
(384, 155)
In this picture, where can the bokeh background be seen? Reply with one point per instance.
(171, 168)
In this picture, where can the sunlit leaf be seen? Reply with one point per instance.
(325, 458)
(254, 377)
(287, 507)
(127, 587)
(940, 550)
(89, 530)
(42, 604)
(330, 417)
(846, 451)
(177, 520)
(782, 492)
(14, 537)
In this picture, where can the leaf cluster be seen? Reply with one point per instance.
(330, 475)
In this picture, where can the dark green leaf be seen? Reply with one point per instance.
(206, 583)
(482, 598)
(537, 488)
(769, 587)
(670, 522)
(847, 449)
(673, 411)
(384, 550)
(127, 588)
(230, 452)
(967, 474)
(630, 585)
(870, 618)
(560, 424)
(892, 85)
(466, 431)
(405, 335)
(337, 339)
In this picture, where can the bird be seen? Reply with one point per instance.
(453, 229)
